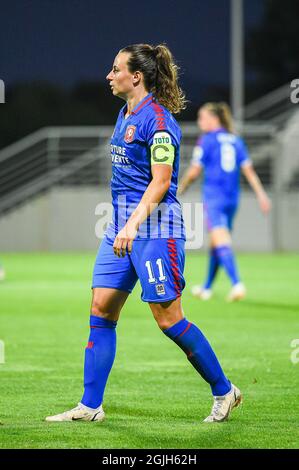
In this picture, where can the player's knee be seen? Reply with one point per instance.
(163, 326)
(169, 315)
(220, 236)
(165, 323)
(98, 311)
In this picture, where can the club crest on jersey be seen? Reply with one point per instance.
(130, 132)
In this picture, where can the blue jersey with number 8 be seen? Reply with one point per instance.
(221, 154)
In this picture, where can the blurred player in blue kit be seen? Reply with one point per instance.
(221, 154)
(146, 238)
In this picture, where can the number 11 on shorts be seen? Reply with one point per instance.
(149, 267)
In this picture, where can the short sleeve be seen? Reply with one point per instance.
(243, 155)
(200, 152)
(162, 135)
(157, 123)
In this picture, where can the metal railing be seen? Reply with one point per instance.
(75, 155)
(80, 156)
(275, 107)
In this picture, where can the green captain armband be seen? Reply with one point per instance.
(162, 149)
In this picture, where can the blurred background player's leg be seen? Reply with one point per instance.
(221, 240)
(204, 292)
(220, 221)
(213, 266)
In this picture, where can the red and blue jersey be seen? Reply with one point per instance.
(221, 154)
(131, 144)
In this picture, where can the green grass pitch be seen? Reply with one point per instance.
(154, 398)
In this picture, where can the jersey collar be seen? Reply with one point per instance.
(144, 102)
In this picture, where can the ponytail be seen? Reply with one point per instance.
(166, 89)
(160, 74)
(223, 112)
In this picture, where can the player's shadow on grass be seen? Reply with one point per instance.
(271, 305)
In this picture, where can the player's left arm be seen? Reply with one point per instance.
(162, 157)
(256, 184)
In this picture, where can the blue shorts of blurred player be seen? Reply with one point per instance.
(220, 216)
(157, 263)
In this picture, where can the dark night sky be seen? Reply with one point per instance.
(66, 41)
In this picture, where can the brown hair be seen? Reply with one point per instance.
(223, 112)
(160, 74)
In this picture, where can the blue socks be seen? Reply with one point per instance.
(99, 358)
(199, 352)
(101, 349)
(212, 269)
(226, 258)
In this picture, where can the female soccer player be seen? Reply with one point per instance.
(146, 238)
(221, 154)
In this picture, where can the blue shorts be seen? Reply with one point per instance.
(158, 264)
(217, 216)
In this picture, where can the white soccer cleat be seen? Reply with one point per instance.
(237, 292)
(201, 293)
(2, 273)
(223, 406)
(79, 413)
